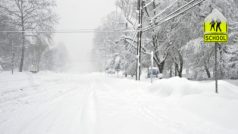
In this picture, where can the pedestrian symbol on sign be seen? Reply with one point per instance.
(218, 25)
(215, 25)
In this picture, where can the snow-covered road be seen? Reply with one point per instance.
(49, 103)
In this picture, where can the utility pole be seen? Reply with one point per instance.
(139, 37)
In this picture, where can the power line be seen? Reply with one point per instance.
(156, 16)
(173, 15)
(71, 31)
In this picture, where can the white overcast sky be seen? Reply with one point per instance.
(80, 14)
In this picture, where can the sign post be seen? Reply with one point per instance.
(215, 31)
(216, 79)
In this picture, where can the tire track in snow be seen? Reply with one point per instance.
(75, 110)
(89, 116)
(30, 117)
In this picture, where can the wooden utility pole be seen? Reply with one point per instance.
(139, 37)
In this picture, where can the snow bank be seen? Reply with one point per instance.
(182, 87)
(199, 98)
(176, 86)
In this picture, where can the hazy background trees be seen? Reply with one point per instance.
(178, 44)
(33, 22)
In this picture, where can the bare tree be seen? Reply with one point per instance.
(29, 16)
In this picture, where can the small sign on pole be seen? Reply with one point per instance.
(215, 31)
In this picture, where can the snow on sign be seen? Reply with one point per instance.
(215, 27)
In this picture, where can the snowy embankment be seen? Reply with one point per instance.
(51, 103)
(199, 98)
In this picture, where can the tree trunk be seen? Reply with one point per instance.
(22, 50)
(207, 71)
(195, 75)
(180, 71)
(161, 67)
(175, 69)
(23, 39)
(159, 64)
(171, 71)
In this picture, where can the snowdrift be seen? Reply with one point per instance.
(181, 87)
(199, 98)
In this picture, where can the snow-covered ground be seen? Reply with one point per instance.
(51, 103)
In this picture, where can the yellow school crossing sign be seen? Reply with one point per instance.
(215, 27)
